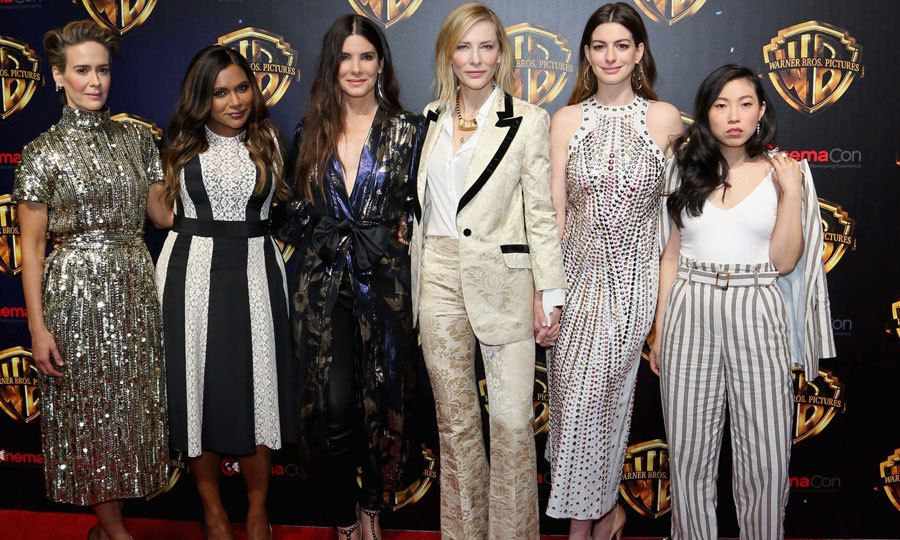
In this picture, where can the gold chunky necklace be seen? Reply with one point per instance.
(462, 123)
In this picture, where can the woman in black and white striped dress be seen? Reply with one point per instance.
(222, 285)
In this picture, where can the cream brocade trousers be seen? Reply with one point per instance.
(478, 500)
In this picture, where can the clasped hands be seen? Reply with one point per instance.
(545, 332)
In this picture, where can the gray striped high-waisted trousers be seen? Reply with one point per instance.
(725, 340)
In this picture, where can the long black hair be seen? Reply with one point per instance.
(325, 117)
(700, 162)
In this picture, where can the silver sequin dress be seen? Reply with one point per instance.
(611, 258)
(103, 424)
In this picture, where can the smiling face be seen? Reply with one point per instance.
(85, 78)
(734, 114)
(232, 99)
(476, 56)
(612, 53)
(359, 67)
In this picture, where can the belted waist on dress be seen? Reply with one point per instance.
(99, 238)
(369, 241)
(220, 229)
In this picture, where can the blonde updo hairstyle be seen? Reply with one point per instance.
(454, 27)
(56, 42)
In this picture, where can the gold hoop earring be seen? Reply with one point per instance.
(584, 79)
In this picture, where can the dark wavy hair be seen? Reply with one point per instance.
(187, 133)
(698, 157)
(627, 16)
(324, 120)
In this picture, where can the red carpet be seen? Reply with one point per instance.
(21, 525)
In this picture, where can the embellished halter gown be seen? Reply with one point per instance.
(611, 258)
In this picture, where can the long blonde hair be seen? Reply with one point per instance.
(455, 25)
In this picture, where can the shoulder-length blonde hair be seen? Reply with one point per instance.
(455, 25)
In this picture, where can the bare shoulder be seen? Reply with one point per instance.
(565, 121)
(663, 113)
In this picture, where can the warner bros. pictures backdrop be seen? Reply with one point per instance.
(830, 71)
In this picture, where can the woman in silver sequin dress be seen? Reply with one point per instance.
(222, 286)
(608, 149)
(94, 319)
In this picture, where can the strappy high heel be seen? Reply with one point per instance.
(372, 514)
(348, 531)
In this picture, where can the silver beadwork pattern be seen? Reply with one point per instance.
(610, 254)
(103, 423)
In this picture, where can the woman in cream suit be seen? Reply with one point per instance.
(484, 241)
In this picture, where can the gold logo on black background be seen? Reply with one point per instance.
(20, 395)
(838, 238)
(541, 421)
(386, 12)
(669, 11)
(815, 403)
(890, 475)
(414, 492)
(10, 249)
(271, 58)
(151, 126)
(645, 478)
(120, 16)
(895, 312)
(20, 74)
(543, 62)
(812, 64)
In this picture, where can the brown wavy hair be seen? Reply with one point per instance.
(187, 128)
(627, 16)
(324, 122)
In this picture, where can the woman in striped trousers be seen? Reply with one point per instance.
(723, 326)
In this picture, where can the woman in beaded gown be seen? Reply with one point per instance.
(222, 286)
(94, 319)
(608, 151)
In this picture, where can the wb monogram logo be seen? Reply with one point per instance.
(412, 493)
(816, 402)
(271, 58)
(542, 63)
(20, 396)
(838, 227)
(10, 249)
(890, 475)
(150, 125)
(669, 11)
(895, 313)
(386, 12)
(19, 75)
(645, 478)
(120, 16)
(812, 64)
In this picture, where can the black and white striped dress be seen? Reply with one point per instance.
(224, 300)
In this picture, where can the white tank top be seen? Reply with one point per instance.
(739, 235)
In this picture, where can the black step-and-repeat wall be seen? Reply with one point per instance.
(830, 69)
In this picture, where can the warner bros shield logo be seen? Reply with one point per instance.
(669, 11)
(645, 478)
(838, 227)
(815, 403)
(890, 475)
(812, 64)
(542, 63)
(386, 12)
(271, 58)
(120, 16)
(10, 248)
(20, 394)
(20, 74)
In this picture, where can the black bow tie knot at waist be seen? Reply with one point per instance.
(369, 241)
